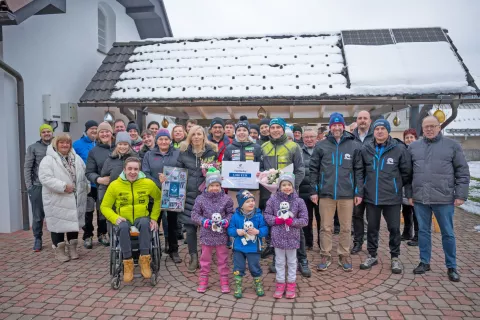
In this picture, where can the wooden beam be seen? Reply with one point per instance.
(202, 112)
(321, 111)
(291, 112)
(230, 112)
(300, 121)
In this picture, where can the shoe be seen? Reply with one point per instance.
(257, 282)
(104, 240)
(72, 249)
(397, 267)
(267, 252)
(291, 290)
(180, 236)
(406, 237)
(175, 257)
(166, 250)
(60, 253)
(128, 270)
(369, 263)
(453, 275)
(272, 268)
(346, 263)
(357, 247)
(325, 262)
(304, 269)
(413, 242)
(202, 284)
(421, 268)
(279, 290)
(193, 265)
(238, 286)
(144, 262)
(224, 284)
(87, 243)
(37, 245)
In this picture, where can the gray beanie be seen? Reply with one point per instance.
(213, 175)
(123, 136)
(290, 177)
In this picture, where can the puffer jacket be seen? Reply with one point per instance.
(95, 161)
(386, 170)
(336, 168)
(35, 153)
(64, 212)
(154, 162)
(237, 222)
(131, 199)
(83, 146)
(113, 166)
(305, 188)
(188, 160)
(221, 145)
(243, 151)
(440, 171)
(367, 139)
(281, 238)
(205, 205)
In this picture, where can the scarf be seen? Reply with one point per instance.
(69, 164)
(248, 215)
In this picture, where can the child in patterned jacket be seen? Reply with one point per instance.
(213, 210)
(286, 232)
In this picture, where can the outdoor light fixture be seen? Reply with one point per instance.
(108, 116)
(396, 120)
(165, 122)
(440, 115)
(261, 113)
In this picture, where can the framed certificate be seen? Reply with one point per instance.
(240, 174)
(174, 190)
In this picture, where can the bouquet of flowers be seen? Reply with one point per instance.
(205, 166)
(269, 179)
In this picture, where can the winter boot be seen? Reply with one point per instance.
(87, 243)
(238, 287)
(224, 284)
(60, 253)
(202, 284)
(128, 270)
(304, 269)
(166, 245)
(291, 288)
(144, 263)
(175, 257)
(37, 245)
(257, 282)
(104, 240)
(72, 249)
(193, 266)
(279, 290)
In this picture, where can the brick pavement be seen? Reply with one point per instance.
(35, 286)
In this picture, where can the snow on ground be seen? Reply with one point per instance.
(472, 206)
(474, 169)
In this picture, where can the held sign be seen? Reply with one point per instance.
(240, 174)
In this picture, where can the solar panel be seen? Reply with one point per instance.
(419, 35)
(367, 37)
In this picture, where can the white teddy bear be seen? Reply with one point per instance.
(284, 212)
(247, 225)
(217, 222)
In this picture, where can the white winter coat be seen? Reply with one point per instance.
(63, 212)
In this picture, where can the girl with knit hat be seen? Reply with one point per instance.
(212, 211)
(285, 232)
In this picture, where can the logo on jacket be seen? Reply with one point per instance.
(389, 161)
(347, 156)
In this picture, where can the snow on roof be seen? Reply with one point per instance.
(467, 121)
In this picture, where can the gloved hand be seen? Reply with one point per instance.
(279, 221)
(207, 223)
(224, 223)
(289, 222)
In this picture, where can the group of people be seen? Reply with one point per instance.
(355, 176)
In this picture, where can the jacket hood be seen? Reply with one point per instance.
(122, 176)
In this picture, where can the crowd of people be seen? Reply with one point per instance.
(345, 180)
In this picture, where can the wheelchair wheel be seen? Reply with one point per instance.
(115, 283)
(153, 280)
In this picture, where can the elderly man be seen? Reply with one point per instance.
(440, 182)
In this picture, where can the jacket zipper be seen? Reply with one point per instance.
(395, 184)
(133, 201)
(321, 182)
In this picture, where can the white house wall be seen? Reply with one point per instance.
(56, 55)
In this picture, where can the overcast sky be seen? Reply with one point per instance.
(237, 17)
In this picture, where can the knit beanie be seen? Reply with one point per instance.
(255, 127)
(289, 133)
(242, 124)
(278, 121)
(163, 133)
(290, 177)
(297, 128)
(46, 126)
(265, 121)
(336, 118)
(133, 126)
(383, 123)
(217, 121)
(213, 175)
(89, 124)
(242, 196)
(104, 126)
(123, 137)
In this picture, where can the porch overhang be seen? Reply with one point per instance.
(16, 14)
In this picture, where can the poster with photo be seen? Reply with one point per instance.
(174, 189)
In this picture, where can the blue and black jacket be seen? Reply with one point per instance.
(237, 221)
(387, 169)
(336, 169)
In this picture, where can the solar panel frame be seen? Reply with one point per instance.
(419, 35)
(367, 37)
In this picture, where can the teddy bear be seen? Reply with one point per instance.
(247, 225)
(217, 222)
(284, 212)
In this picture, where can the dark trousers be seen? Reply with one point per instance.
(308, 230)
(101, 223)
(410, 222)
(60, 237)
(253, 259)
(391, 214)
(144, 238)
(358, 223)
(35, 194)
(171, 227)
(191, 238)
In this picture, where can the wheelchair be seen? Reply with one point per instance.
(116, 265)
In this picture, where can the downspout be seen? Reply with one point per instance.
(21, 142)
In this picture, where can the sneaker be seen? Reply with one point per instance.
(291, 291)
(304, 269)
(224, 285)
(421, 268)
(37, 245)
(325, 262)
(369, 262)
(396, 266)
(202, 284)
(87, 243)
(104, 240)
(279, 290)
(267, 252)
(345, 263)
(453, 275)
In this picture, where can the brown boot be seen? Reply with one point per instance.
(72, 249)
(60, 253)
(128, 270)
(145, 269)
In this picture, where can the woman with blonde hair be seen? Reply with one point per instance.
(194, 151)
(113, 166)
(64, 195)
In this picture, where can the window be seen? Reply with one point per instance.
(102, 32)
(106, 27)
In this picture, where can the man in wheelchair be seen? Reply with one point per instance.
(130, 195)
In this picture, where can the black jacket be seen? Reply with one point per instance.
(244, 151)
(143, 151)
(95, 161)
(113, 166)
(336, 168)
(188, 160)
(367, 139)
(154, 162)
(387, 169)
(305, 187)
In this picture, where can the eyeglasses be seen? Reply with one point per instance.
(430, 127)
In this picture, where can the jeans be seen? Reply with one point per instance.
(444, 215)
(144, 239)
(282, 259)
(253, 259)
(191, 238)
(308, 230)
(410, 222)
(60, 237)
(391, 214)
(358, 223)
(327, 211)
(38, 215)
(206, 260)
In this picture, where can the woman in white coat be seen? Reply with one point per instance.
(64, 194)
